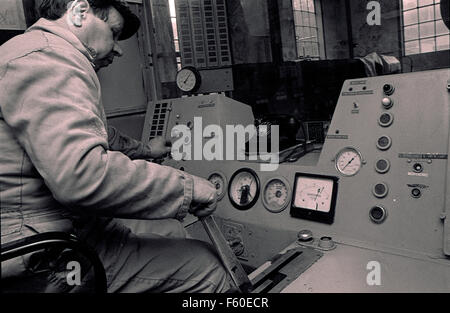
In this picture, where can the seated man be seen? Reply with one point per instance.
(58, 173)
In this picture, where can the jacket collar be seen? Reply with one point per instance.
(57, 29)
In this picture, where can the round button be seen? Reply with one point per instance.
(388, 89)
(382, 166)
(387, 103)
(377, 214)
(386, 119)
(416, 193)
(305, 235)
(417, 167)
(384, 142)
(380, 190)
(326, 242)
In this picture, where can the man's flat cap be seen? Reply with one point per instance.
(131, 21)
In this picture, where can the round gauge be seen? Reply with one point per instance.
(188, 79)
(243, 189)
(348, 161)
(276, 193)
(219, 181)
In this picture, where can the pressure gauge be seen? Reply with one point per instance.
(276, 193)
(243, 189)
(219, 181)
(188, 79)
(348, 161)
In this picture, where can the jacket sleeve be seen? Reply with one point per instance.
(52, 105)
(132, 148)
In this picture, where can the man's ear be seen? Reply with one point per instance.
(76, 11)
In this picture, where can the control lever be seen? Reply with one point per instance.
(227, 256)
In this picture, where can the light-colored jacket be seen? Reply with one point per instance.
(54, 152)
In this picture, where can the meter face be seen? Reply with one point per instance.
(276, 195)
(243, 189)
(219, 181)
(313, 193)
(314, 197)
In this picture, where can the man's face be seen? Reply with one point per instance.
(104, 38)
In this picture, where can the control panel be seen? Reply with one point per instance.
(379, 183)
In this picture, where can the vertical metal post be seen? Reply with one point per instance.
(150, 50)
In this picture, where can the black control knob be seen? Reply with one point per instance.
(416, 193)
(417, 167)
(388, 89)
(377, 214)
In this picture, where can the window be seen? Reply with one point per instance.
(173, 18)
(423, 28)
(308, 29)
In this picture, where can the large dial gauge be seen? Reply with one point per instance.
(188, 79)
(243, 189)
(348, 161)
(219, 181)
(276, 194)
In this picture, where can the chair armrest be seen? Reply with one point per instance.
(56, 239)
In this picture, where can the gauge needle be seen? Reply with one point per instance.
(348, 163)
(318, 193)
(187, 78)
(245, 192)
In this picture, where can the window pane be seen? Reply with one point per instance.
(304, 5)
(427, 45)
(172, 7)
(437, 12)
(411, 32)
(410, 17)
(426, 29)
(306, 33)
(311, 6)
(308, 49)
(412, 47)
(299, 32)
(174, 28)
(296, 4)
(298, 18)
(312, 19)
(441, 29)
(300, 50)
(409, 4)
(443, 43)
(314, 35)
(305, 19)
(315, 49)
(425, 2)
(426, 14)
(177, 46)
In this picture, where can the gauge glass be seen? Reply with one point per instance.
(244, 189)
(348, 161)
(218, 180)
(276, 195)
(187, 79)
(314, 193)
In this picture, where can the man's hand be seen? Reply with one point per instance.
(157, 148)
(204, 199)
